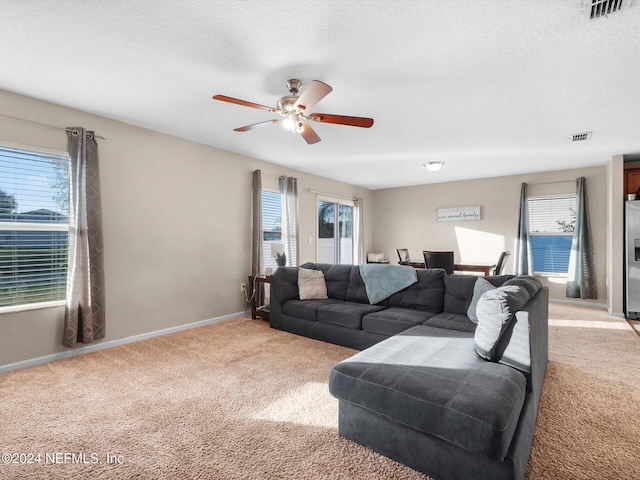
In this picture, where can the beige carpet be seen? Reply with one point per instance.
(237, 400)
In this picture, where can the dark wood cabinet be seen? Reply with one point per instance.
(631, 180)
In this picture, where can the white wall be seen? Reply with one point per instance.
(176, 219)
(406, 218)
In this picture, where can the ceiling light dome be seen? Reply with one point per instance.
(433, 166)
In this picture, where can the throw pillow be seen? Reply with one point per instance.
(481, 286)
(496, 310)
(311, 284)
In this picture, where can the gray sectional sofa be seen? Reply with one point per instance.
(449, 396)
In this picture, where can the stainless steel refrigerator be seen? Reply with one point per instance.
(632, 259)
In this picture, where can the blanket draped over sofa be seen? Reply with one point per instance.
(382, 281)
(449, 378)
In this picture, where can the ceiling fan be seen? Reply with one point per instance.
(293, 111)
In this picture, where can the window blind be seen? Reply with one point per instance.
(271, 226)
(555, 214)
(34, 226)
(551, 224)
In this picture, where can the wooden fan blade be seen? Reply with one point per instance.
(342, 120)
(309, 134)
(315, 92)
(244, 103)
(246, 128)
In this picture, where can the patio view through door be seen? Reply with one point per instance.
(335, 231)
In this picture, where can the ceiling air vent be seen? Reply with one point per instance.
(601, 8)
(580, 137)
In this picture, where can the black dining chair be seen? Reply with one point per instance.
(439, 260)
(502, 260)
(403, 254)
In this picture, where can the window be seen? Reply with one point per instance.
(271, 227)
(335, 232)
(34, 226)
(551, 224)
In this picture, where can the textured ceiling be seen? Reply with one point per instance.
(490, 87)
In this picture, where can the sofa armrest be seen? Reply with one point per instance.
(537, 310)
(525, 344)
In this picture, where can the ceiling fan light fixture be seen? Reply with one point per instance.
(292, 123)
(433, 166)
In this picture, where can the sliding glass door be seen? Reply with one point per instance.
(335, 231)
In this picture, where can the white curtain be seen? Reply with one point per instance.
(289, 199)
(358, 232)
(85, 308)
(523, 258)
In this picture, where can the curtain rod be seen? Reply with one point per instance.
(551, 183)
(44, 124)
(331, 195)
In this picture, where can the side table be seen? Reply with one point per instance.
(258, 308)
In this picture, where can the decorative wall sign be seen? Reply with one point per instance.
(458, 214)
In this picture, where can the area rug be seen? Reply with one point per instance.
(238, 400)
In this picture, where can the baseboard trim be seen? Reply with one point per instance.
(32, 362)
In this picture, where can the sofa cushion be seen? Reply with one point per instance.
(311, 284)
(335, 276)
(451, 321)
(426, 294)
(496, 310)
(481, 286)
(394, 320)
(356, 290)
(345, 314)
(306, 309)
(458, 293)
(431, 380)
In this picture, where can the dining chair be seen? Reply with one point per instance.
(502, 260)
(439, 260)
(403, 254)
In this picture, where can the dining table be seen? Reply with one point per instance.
(482, 267)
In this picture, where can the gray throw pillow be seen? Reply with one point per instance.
(481, 286)
(496, 310)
